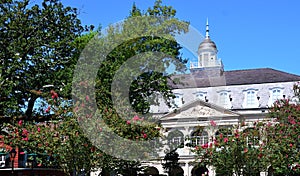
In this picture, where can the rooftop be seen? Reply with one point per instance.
(205, 78)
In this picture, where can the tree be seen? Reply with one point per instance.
(119, 87)
(42, 47)
(283, 140)
(171, 161)
(234, 151)
(37, 52)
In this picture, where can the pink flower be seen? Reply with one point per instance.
(136, 118)
(76, 108)
(87, 98)
(38, 129)
(291, 145)
(25, 139)
(48, 109)
(145, 136)
(245, 150)
(213, 123)
(196, 148)
(25, 132)
(204, 146)
(20, 122)
(260, 155)
(237, 135)
(225, 140)
(216, 143)
(53, 94)
(221, 136)
(128, 122)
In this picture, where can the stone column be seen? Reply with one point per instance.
(186, 169)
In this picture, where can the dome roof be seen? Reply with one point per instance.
(207, 44)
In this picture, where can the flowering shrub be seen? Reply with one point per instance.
(272, 145)
(283, 139)
(232, 151)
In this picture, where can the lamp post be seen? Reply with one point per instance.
(12, 155)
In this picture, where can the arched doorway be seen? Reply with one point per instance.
(177, 171)
(199, 171)
(151, 171)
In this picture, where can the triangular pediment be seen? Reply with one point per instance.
(199, 108)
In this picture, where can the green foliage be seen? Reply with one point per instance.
(272, 145)
(42, 44)
(171, 161)
(283, 140)
(233, 152)
(36, 51)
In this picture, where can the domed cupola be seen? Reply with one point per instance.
(207, 52)
(207, 44)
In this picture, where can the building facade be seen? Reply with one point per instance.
(208, 94)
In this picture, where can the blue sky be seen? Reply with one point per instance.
(248, 34)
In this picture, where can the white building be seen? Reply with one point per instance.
(210, 93)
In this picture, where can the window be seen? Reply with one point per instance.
(199, 138)
(201, 95)
(178, 101)
(224, 99)
(252, 137)
(200, 60)
(175, 139)
(2, 160)
(226, 131)
(250, 100)
(211, 61)
(275, 94)
(205, 60)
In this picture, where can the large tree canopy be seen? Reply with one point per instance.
(42, 44)
(36, 51)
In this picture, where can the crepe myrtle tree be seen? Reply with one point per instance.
(62, 144)
(271, 145)
(283, 139)
(136, 125)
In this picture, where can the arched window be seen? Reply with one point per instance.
(224, 100)
(176, 171)
(178, 101)
(199, 170)
(250, 100)
(151, 171)
(252, 137)
(276, 93)
(201, 95)
(226, 131)
(175, 139)
(199, 137)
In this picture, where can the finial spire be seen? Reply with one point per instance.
(207, 29)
